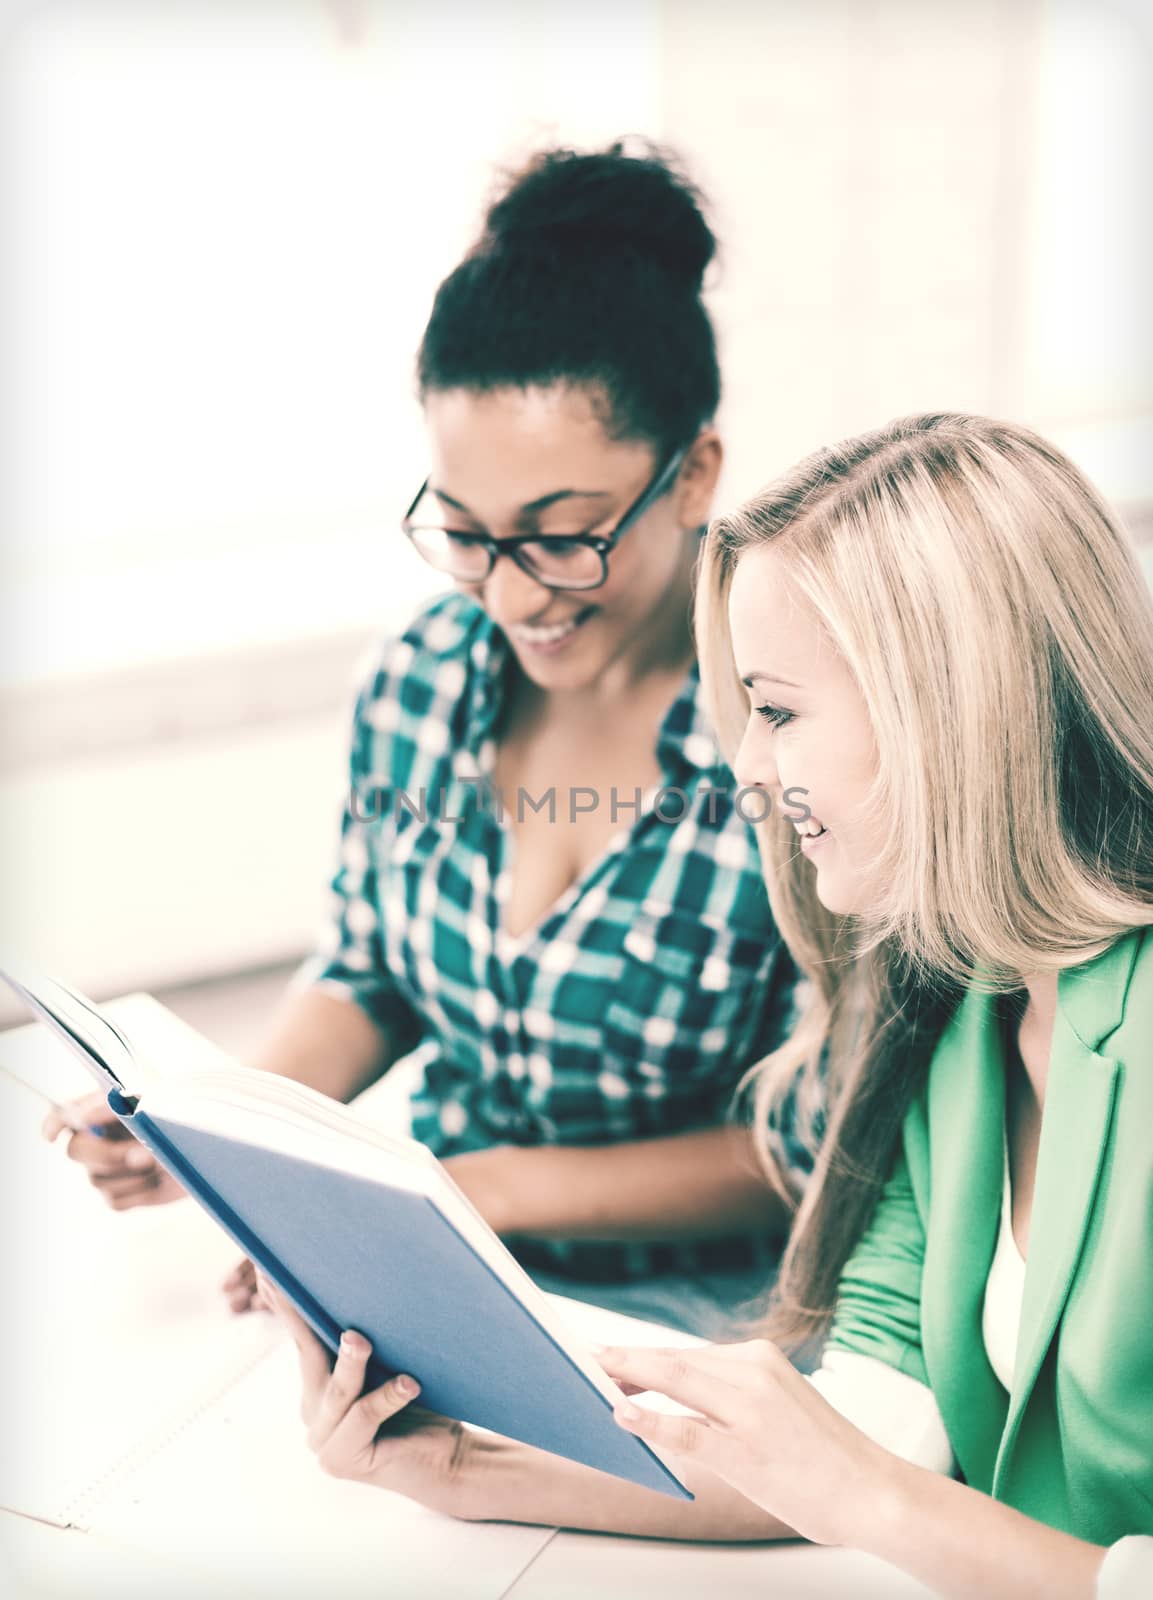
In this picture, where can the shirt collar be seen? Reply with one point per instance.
(685, 740)
(491, 653)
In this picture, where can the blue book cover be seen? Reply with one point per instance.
(379, 1240)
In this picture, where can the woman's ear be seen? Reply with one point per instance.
(698, 479)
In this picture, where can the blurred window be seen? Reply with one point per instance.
(225, 224)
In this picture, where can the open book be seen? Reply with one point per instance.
(363, 1230)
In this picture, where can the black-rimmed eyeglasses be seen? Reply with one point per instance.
(574, 561)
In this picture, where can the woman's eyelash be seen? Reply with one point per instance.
(776, 716)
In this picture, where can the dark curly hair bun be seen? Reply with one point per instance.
(564, 201)
(588, 271)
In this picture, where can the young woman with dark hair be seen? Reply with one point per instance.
(576, 983)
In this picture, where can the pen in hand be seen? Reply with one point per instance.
(97, 1129)
(119, 1165)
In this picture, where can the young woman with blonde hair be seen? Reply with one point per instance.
(941, 634)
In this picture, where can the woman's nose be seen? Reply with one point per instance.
(754, 765)
(510, 595)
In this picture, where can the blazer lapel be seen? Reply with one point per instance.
(967, 1122)
(1079, 1097)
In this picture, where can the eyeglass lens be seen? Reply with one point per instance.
(562, 563)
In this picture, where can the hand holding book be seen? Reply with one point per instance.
(373, 1435)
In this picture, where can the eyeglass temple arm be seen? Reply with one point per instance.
(417, 498)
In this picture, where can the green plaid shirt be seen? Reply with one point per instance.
(630, 1011)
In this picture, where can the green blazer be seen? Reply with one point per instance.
(1072, 1445)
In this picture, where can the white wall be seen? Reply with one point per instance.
(225, 224)
(175, 860)
(926, 206)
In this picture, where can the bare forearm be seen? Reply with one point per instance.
(327, 1042)
(965, 1545)
(509, 1482)
(959, 1542)
(693, 1185)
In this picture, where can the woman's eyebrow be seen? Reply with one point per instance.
(566, 494)
(767, 677)
(542, 504)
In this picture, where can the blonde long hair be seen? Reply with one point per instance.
(1000, 630)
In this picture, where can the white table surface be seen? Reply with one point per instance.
(152, 1439)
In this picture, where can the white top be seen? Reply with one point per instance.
(902, 1415)
(1004, 1293)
